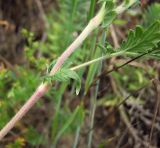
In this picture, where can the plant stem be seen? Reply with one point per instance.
(121, 8)
(94, 100)
(102, 58)
(77, 137)
(93, 24)
(75, 3)
(43, 88)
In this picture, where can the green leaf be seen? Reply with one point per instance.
(57, 116)
(156, 52)
(151, 14)
(110, 13)
(108, 49)
(92, 71)
(64, 74)
(49, 68)
(142, 40)
(109, 5)
(33, 137)
(78, 114)
(120, 22)
(109, 17)
(67, 63)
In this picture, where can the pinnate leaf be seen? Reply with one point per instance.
(65, 74)
(142, 40)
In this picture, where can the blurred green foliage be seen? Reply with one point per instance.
(65, 25)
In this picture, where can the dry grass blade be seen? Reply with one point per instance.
(157, 107)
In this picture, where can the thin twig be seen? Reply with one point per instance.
(8, 65)
(42, 13)
(104, 73)
(121, 103)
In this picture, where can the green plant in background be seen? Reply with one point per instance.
(5, 78)
(139, 41)
(21, 82)
(33, 65)
(151, 14)
(19, 143)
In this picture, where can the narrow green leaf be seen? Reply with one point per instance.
(92, 71)
(78, 112)
(49, 68)
(110, 13)
(109, 17)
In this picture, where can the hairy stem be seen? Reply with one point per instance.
(103, 58)
(125, 6)
(43, 88)
(93, 24)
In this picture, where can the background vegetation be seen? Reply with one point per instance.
(118, 103)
